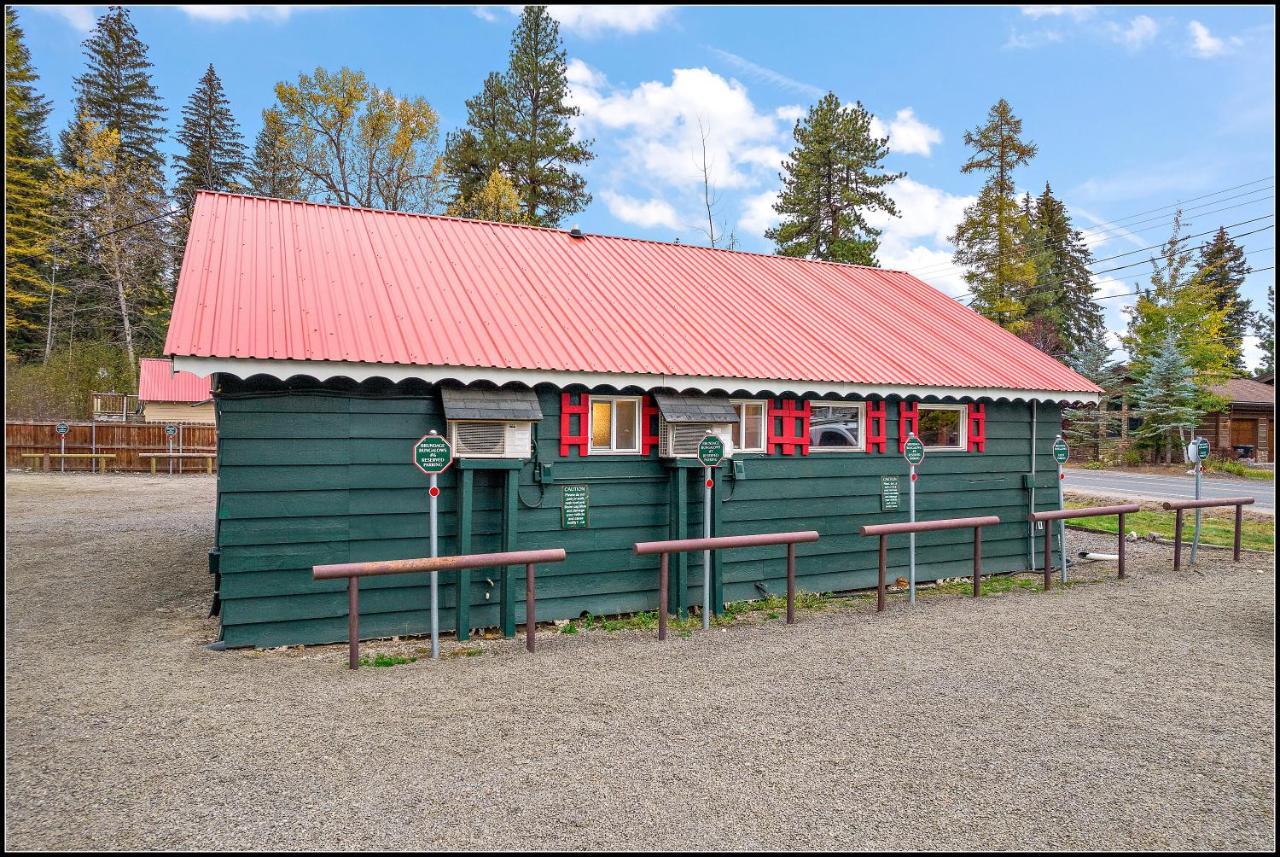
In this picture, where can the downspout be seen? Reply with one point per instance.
(1031, 532)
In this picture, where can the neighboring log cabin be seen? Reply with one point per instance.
(566, 363)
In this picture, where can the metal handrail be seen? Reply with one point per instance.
(1180, 505)
(1091, 512)
(886, 530)
(353, 571)
(666, 548)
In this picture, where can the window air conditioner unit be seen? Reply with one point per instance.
(680, 440)
(479, 439)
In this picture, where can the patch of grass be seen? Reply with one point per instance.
(569, 628)
(995, 585)
(1235, 468)
(465, 652)
(384, 660)
(1214, 530)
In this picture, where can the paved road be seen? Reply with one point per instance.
(1154, 486)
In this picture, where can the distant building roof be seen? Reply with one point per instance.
(1246, 391)
(287, 288)
(157, 382)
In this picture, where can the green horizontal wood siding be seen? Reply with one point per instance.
(309, 478)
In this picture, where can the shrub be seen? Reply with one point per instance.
(62, 388)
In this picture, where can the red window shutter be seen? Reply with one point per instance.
(908, 422)
(648, 425)
(876, 426)
(568, 410)
(977, 427)
(788, 426)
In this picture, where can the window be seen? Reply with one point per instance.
(836, 427)
(941, 426)
(615, 424)
(748, 434)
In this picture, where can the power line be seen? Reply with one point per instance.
(1197, 235)
(1145, 261)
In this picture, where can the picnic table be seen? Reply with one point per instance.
(180, 456)
(47, 457)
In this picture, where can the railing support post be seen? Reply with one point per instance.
(977, 562)
(1048, 556)
(791, 583)
(1120, 546)
(353, 623)
(664, 569)
(530, 621)
(1239, 525)
(884, 558)
(1177, 540)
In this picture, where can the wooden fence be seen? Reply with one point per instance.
(124, 440)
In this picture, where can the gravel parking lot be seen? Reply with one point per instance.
(1111, 715)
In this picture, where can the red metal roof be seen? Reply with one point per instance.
(274, 279)
(157, 382)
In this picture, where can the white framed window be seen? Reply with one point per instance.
(837, 426)
(943, 427)
(615, 425)
(749, 433)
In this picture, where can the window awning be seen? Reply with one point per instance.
(461, 403)
(681, 408)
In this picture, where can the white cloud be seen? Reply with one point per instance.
(917, 241)
(769, 76)
(1035, 39)
(227, 14)
(1076, 13)
(484, 13)
(758, 214)
(1206, 45)
(1253, 354)
(907, 134)
(81, 18)
(589, 21)
(1139, 32)
(645, 213)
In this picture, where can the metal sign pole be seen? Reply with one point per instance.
(1062, 525)
(62, 448)
(911, 539)
(179, 447)
(706, 555)
(1195, 539)
(93, 445)
(434, 492)
(170, 454)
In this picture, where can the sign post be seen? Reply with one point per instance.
(63, 428)
(171, 430)
(710, 453)
(1197, 452)
(1060, 454)
(913, 452)
(433, 455)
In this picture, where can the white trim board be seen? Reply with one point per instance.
(323, 370)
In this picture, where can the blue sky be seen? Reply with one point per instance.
(1134, 108)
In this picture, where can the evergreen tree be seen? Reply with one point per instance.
(28, 216)
(831, 181)
(1063, 289)
(520, 124)
(1264, 326)
(1090, 427)
(1166, 397)
(987, 240)
(1223, 268)
(213, 154)
(271, 172)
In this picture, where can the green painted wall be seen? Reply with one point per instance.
(311, 475)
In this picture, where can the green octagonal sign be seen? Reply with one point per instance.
(913, 451)
(1203, 445)
(1060, 451)
(711, 450)
(432, 454)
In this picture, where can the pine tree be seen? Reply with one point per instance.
(520, 124)
(28, 216)
(1166, 397)
(271, 171)
(1090, 427)
(213, 153)
(987, 240)
(1223, 268)
(1264, 326)
(831, 181)
(1063, 288)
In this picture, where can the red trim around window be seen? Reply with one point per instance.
(977, 427)
(908, 422)
(788, 426)
(876, 426)
(568, 410)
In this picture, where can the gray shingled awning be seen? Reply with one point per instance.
(679, 408)
(461, 403)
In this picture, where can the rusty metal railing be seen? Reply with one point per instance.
(666, 548)
(1180, 505)
(353, 571)
(1091, 512)
(886, 530)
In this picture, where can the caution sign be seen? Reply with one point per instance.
(890, 494)
(575, 509)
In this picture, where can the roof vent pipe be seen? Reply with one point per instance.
(576, 231)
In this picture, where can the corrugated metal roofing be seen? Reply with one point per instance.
(157, 382)
(280, 280)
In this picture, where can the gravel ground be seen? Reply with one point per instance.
(1134, 715)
